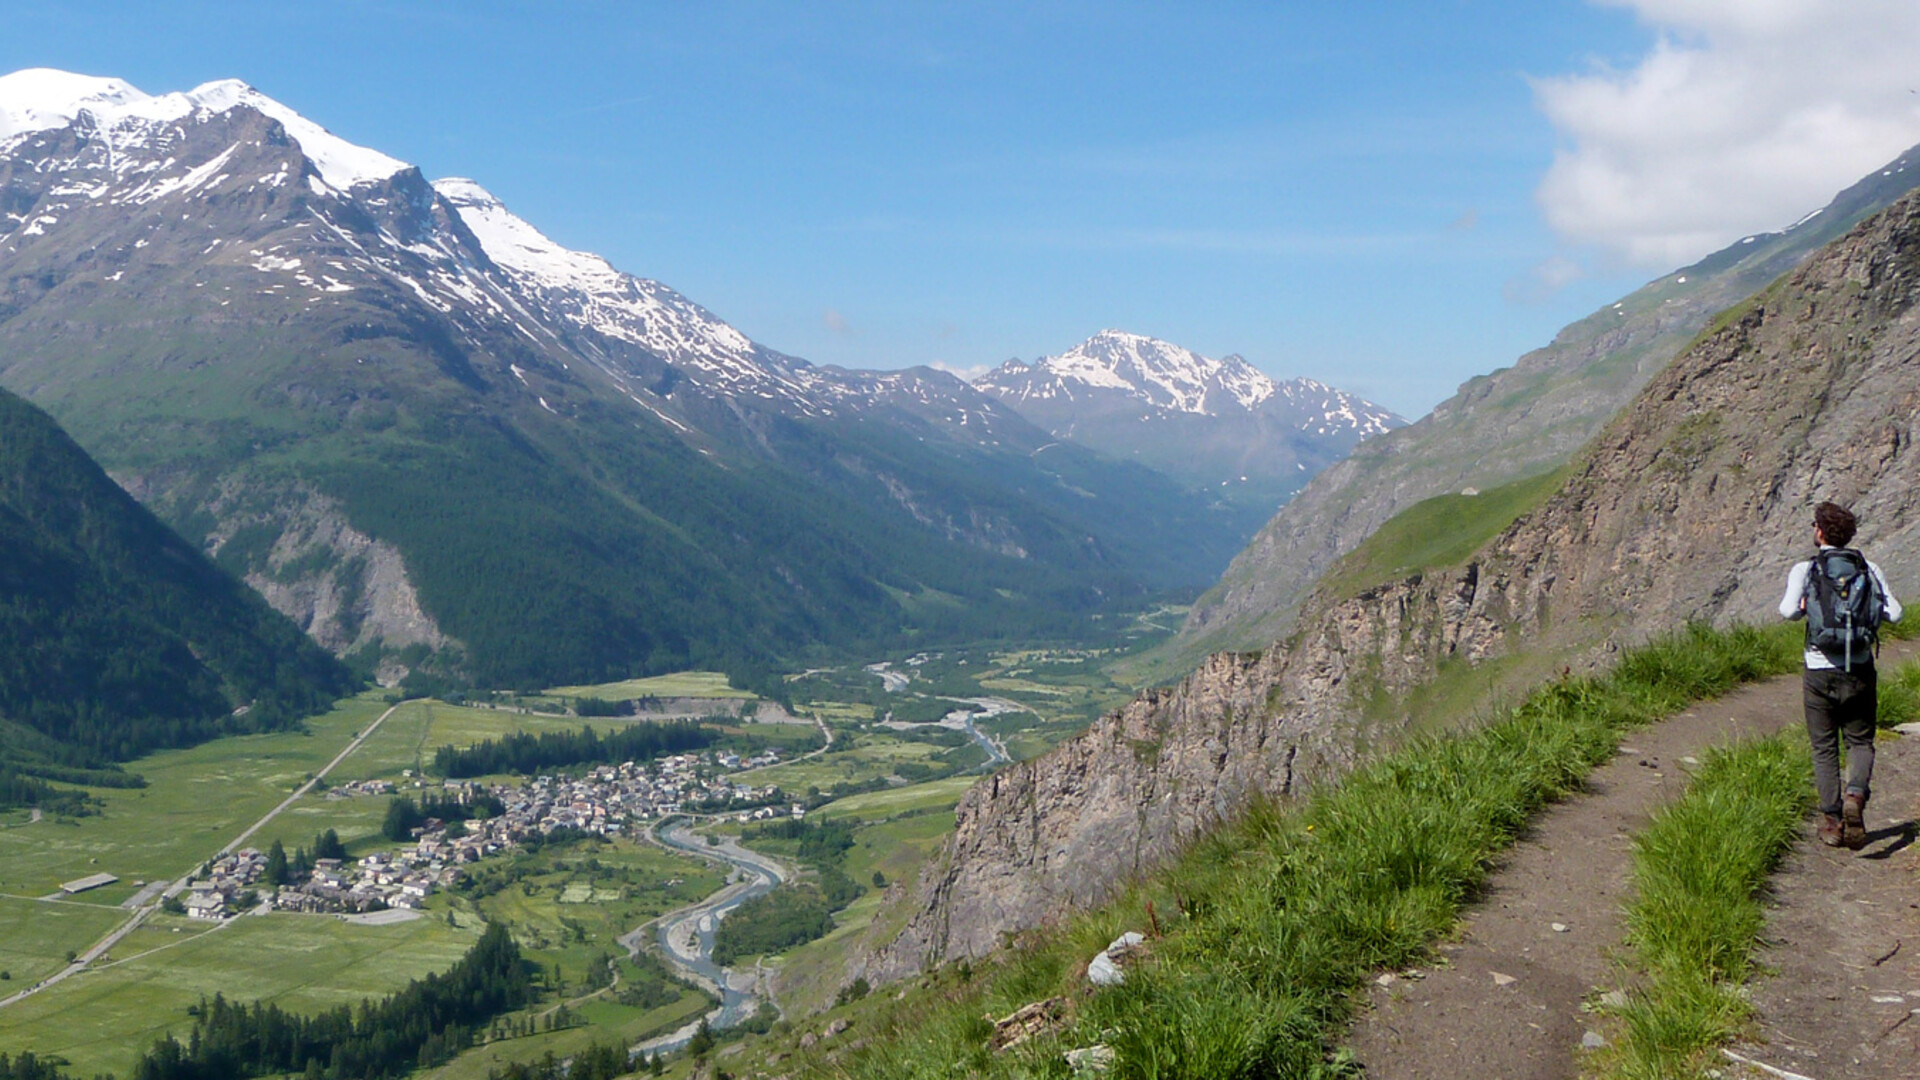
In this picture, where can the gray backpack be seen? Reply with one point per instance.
(1844, 607)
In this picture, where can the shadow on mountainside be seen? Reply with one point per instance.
(1511, 998)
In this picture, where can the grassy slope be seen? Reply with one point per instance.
(1272, 922)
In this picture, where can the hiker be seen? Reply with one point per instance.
(1844, 598)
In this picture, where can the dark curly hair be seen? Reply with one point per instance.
(1835, 522)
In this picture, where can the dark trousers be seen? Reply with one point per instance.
(1841, 704)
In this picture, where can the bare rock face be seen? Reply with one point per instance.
(1689, 505)
(1515, 422)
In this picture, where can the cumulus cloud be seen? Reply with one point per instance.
(1744, 116)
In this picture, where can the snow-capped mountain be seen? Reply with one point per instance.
(392, 404)
(1222, 424)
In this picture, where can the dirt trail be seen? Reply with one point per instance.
(1844, 938)
(1507, 1003)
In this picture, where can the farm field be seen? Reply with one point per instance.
(195, 801)
(693, 684)
(102, 1020)
(856, 757)
(35, 936)
(894, 802)
(418, 728)
(567, 904)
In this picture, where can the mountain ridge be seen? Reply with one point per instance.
(1504, 426)
(255, 348)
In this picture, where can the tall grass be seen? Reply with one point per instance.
(1274, 921)
(1698, 871)
(1900, 695)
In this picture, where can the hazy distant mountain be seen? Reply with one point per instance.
(417, 425)
(1221, 425)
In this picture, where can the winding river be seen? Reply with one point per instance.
(686, 935)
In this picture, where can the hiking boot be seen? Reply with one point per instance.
(1853, 823)
(1830, 830)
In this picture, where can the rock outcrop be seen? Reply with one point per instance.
(1689, 505)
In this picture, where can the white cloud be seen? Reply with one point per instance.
(964, 374)
(1745, 115)
(1544, 279)
(836, 323)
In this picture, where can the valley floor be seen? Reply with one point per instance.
(1514, 996)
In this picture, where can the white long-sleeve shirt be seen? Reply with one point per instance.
(1790, 604)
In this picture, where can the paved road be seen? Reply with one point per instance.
(140, 914)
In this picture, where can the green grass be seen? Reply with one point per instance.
(1900, 695)
(1273, 922)
(568, 903)
(856, 757)
(692, 684)
(932, 795)
(411, 735)
(36, 935)
(195, 802)
(1436, 532)
(1698, 872)
(605, 1021)
(102, 1020)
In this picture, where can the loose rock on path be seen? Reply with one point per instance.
(1507, 1002)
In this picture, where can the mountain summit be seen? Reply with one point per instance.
(1221, 425)
(418, 425)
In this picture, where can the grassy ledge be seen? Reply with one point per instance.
(1698, 872)
(1270, 924)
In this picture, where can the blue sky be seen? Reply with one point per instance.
(1358, 192)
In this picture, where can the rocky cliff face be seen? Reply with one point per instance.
(1514, 422)
(1690, 504)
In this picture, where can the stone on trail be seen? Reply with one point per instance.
(1592, 1040)
(1909, 728)
(1560, 927)
(1502, 980)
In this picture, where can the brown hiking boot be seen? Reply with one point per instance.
(1853, 823)
(1830, 830)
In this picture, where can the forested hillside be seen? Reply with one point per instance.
(116, 636)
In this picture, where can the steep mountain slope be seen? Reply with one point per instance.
(1512, 423)
(1219, 425)
(416, 424)
(1688, 505)
(116, 636)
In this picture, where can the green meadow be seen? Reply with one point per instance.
(693, 684)
(36, 935)
(893, 802)
(195, 802)
(102, 1020)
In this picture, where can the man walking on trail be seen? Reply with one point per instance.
(1844, 599)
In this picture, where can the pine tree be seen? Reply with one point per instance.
(276, 873)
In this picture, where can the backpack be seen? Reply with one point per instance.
(1843, 607)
